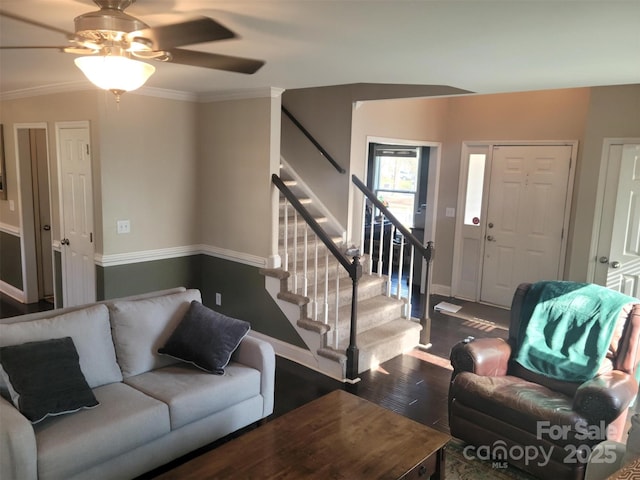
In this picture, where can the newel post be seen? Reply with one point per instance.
(425, 320)
(352, 349)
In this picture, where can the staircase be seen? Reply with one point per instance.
(314, 290)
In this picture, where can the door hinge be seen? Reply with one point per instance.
(87, 145)
(90, 237)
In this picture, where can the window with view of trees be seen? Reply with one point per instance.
(396, 180)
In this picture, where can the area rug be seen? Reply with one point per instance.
(464, 466)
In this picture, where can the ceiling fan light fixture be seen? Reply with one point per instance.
(115, 73)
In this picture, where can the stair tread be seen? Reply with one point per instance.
(378, 335)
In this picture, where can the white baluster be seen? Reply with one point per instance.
(295, 251)
(336, 335)
(407, 313)
(285, 234)
(390, 268)
(305, 264)
(326, 286)
(371, 232)
(315, 278)
(380, 245)
(400, 267)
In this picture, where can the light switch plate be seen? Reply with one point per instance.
(450, 212)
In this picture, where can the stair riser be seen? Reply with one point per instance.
(299, 248)
(372, 357)
(333, 272)
(365, 292)
(366, 321)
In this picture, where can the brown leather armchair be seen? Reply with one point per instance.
(546, 426)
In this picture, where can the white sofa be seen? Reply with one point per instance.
(153, 408)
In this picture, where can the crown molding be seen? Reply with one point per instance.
(46, 90)
(262, 92)
(83, 85)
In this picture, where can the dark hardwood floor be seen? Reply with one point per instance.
(10, 307)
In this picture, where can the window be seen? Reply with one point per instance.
(475, 183)
(396, 180)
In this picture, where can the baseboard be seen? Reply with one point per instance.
(444, 290)
(12, 291)
(293, 353)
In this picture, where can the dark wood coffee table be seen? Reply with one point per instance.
(338, 436)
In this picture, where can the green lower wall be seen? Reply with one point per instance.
(10, 260)
(241, 286)
(134, 278)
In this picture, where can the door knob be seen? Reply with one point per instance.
(603, 259)
(64, 241)
(490, 238)
(46, 227)
(615, 264)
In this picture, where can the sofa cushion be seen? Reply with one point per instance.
(44, 378)
(140, 327)
(205, 338)
(193, 394)
(91, 333)
(125, 420)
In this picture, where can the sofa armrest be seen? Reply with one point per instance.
(484, 356)
(259, 354)
(605, 397)
(18, 452)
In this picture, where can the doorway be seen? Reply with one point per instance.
(37, 245)
(412, 175)
(515, 201)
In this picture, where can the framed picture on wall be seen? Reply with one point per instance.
(3, 169)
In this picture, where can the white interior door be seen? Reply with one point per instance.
(618, 265)
(79, 274)
(525, 218)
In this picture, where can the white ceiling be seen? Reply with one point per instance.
(477, 45)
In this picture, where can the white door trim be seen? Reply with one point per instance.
(26, 216)
(599, 205)
(488, 146)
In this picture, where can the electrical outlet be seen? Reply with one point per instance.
(123, 226)
(218, 299)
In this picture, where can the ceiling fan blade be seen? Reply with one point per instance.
(190, 32)
(214, 61)
(37, 24)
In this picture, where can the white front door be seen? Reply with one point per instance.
(78, 267)
(618, 260)
(525, 218)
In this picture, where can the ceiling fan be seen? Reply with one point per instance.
(109, 39)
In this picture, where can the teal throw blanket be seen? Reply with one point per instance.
(566, 328)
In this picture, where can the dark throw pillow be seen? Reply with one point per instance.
(205, 338)
(44, 378)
